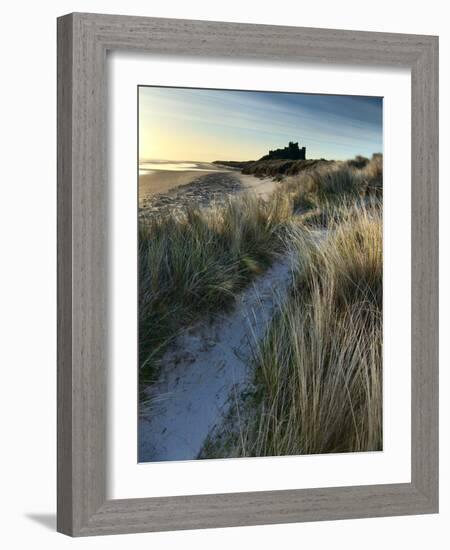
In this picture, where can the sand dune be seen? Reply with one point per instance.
(204, 368)
(261, 186)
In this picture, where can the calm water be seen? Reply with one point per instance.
(147, 167)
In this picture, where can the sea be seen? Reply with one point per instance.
(150, 166)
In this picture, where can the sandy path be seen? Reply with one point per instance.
(263, 187)
(202, 370)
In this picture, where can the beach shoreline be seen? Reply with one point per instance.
(171, 183)
(163, 181)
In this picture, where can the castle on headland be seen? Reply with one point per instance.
(291, 152)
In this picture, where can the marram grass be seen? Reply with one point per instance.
(195, 262)
(318, 371)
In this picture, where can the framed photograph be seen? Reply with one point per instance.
(247, 274)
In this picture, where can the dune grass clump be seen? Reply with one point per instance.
(337, 181)
(194, 262)
(372, 175)
(318, 371)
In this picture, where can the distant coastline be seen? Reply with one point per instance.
(161, 176)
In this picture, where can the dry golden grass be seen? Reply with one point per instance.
(318, 371)
(336, 181)
(195, 262)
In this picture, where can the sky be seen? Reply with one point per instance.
(207, 125)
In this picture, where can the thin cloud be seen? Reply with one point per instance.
(247, 123)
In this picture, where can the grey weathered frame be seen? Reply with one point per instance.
(83, 40)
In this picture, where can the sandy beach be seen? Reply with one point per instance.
(170, 183)
(162, 181)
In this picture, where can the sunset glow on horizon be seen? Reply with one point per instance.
(206, 125)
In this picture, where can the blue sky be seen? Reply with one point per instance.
(207, 125)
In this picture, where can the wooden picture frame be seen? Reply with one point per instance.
(83, 41)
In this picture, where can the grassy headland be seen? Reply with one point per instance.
(280, 168)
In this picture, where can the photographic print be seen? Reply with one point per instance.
(260, 273)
